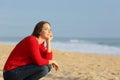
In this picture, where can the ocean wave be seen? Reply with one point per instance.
(86, 48)
(74, 40)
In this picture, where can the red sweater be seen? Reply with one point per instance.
(28, 51)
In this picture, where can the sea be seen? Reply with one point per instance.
(76, 44)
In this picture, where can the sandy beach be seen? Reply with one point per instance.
(76, 66)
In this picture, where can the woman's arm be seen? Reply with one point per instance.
(48, 41)
(48, 46)
(34, 53)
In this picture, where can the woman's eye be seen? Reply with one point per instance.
(45, 29)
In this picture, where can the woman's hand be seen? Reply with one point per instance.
(54, 64)
(50, 36)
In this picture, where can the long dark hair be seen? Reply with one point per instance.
(38, 28)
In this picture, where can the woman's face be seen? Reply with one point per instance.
(46, 32)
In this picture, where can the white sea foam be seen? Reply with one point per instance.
(86, 48)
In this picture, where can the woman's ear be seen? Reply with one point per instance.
(39, 33)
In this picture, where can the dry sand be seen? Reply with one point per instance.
(76, 66)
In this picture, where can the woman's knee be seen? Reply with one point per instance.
(49, 67)
(46, 69)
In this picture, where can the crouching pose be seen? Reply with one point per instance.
(31, 59)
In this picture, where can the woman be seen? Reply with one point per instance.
(31, 59)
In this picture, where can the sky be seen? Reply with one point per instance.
(69, 18)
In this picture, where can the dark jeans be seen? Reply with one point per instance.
(29, 72)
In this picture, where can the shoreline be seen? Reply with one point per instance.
(76, 66)
(81, 46)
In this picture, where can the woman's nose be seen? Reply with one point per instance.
(49, 31)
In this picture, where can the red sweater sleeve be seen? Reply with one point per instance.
(47, 55)
(35, 53)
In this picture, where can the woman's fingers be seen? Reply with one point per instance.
(55, 66)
